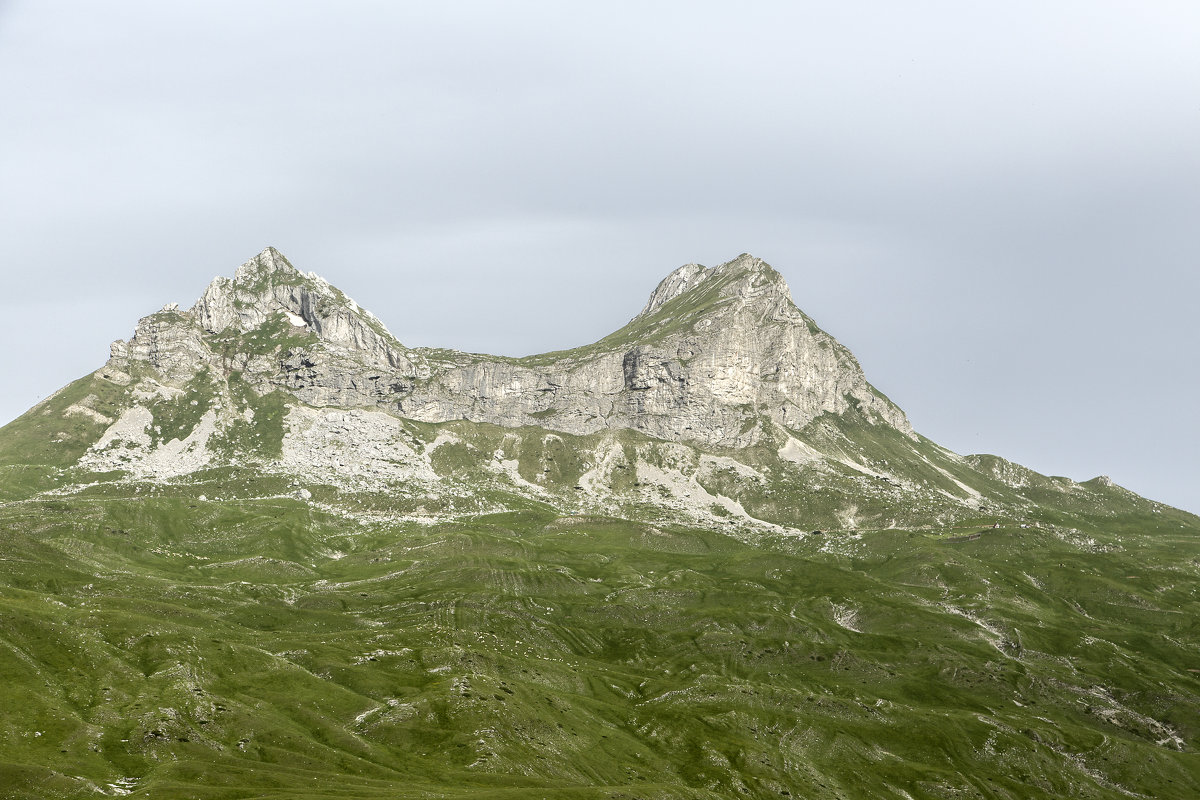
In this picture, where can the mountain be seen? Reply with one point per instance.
(721, 400)
(713, 355)
(268, 550)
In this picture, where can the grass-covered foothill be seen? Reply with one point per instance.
(59, 429)
(464, 610)
(261, 647)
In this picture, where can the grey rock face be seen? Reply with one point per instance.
(675, 284)
(714, 354)
(347, 357)
(167, 341)
(324, 377)
(268, 284)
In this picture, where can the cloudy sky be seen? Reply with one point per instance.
(995, 205)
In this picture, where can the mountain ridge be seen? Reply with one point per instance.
(211, 587)
(720, 400)
(641, 392)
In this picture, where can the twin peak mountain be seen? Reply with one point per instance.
(720, 403)
(717, 357)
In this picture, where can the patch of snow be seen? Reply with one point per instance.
(296, 320)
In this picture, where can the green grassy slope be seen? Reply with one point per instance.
(646, 619)
(169, 647)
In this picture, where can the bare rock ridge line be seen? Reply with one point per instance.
(716, 356)
(720, 402)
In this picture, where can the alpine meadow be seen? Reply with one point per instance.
(267, 551)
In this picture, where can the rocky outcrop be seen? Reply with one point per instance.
(277, 327)
(714, 356)
(268, 284)
(579, 398)
(168, 341)
(675, 284)
(324, 377)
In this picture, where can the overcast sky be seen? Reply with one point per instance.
(995, 205)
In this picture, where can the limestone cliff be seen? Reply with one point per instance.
(714, 354)
(276, 326)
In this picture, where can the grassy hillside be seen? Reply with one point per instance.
(157, 645)
(210, 590)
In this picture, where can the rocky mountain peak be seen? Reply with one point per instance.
(268, 285)
(675, 284)
(695, 287)
(267, 313)
(265, 285)
(715, 353)
(269, 265)
(745, 263)
(717, 356)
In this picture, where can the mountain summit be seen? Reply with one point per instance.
(268, 550)
(713, 354)
(237, 323)
(719, 399)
